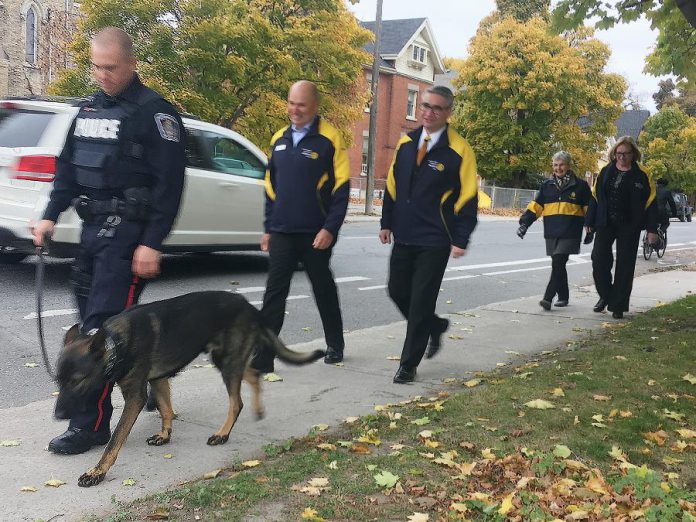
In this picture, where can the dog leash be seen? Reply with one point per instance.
(40, 270)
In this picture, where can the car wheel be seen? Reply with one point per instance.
(681, 217)
(688, 218)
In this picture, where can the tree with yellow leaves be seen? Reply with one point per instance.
(528, 93)
(231, 61)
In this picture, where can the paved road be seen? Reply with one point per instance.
(498, 267)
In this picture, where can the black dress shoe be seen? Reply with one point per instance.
(333, 355)
(76, 441)
(405, 375)
(561, 303)
(600, 305)
(546, 305)
(617, 315)
(435, 342)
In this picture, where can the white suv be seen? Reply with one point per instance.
(222, 205)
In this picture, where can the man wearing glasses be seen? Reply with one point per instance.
(430, 208)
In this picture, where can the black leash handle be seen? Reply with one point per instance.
(40, 270)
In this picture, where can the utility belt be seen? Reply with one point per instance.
(135, 206)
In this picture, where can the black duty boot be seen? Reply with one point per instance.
(76, 441)
(546, 305)
(617, 315)
(333, 355)
(435, 342)
(561, 303)
(405, 375)
(600, 305)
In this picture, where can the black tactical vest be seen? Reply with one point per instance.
(107, 153)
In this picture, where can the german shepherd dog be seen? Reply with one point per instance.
(153, 342)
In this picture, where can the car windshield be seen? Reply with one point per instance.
(22, 128)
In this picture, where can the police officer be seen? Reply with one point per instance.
(666, 207)
(122, 168)
(306, 202)
(430, 208)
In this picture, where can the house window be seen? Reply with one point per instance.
(420, 54)
(30, 31)
(365, 145)
(411, 104)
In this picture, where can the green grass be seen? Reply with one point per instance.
(639, 367)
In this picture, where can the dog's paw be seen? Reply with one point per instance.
(157, 440)
(216, 440)
(91, 478)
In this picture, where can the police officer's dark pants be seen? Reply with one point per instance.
(616, 292)
(104, 286)
(285, 251)
(415, 276)
(558, 283)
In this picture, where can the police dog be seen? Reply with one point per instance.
(152, 342)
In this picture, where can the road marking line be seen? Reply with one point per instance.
(350, 279)
(459, 277)
(360, 237)
(518, 270)
(52, 313)
(376, 287)
(249, 289)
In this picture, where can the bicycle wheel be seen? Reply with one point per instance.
(647, 249)
(663, 243)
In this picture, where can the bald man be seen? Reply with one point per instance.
(122, 168)
(306, 201)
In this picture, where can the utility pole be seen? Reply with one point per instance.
(372, 137)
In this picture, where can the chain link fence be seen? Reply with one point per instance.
(501, 197)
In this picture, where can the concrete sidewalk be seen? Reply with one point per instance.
(307, 396)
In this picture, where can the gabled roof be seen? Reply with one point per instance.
(397, 35)
(631, 122)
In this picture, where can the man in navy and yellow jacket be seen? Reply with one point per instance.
(430, 209)
(306, 201)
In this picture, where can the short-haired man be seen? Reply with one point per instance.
(306, 202)
(430, 207)
(122, 168)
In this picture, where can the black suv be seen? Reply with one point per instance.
(684, 210)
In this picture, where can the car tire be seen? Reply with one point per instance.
(688, 218)
(681, 217)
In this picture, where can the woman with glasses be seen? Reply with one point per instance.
(622, 205)
(562, 201)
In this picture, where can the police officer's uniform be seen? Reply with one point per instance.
(122, 168)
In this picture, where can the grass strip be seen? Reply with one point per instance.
(601, 429)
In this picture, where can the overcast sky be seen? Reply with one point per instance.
(454, 22)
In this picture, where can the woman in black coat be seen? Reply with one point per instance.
(562, 201)
(623, 204)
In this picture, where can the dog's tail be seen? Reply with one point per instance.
(289, 356)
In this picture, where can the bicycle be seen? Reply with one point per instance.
(648, 249)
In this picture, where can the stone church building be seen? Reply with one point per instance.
(34, 35)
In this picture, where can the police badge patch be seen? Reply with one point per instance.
(167, 126)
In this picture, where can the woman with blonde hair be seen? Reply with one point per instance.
(622, 204)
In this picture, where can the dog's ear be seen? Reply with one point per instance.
(72, 334)
(97, 343)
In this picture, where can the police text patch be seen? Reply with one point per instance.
(96, 128)
(167, 126)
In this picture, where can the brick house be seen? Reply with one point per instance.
(34, 35)
(410, 61)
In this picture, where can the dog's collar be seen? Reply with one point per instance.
(114, 367)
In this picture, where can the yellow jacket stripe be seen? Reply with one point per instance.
(467, 170)
(270, 192)
(391, 181)
(536, 208)
(563, 208)
(340, 159)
